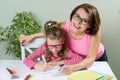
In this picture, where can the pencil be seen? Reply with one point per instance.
(44, 60)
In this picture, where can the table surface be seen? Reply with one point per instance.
(52, 74)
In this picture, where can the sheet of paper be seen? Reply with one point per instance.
(52, 74)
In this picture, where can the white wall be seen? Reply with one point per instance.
(60, 10)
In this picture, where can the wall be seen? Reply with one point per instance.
(60, 10)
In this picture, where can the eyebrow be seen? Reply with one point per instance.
(81, 17)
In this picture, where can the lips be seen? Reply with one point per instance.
(76, 26)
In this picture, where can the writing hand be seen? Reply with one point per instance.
(42, 67)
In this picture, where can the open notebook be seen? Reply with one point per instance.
(88, 75)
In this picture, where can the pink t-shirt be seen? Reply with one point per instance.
(81, 46)
(72, 58)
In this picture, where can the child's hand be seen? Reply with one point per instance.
(53, 63)
(42, 67)
(45, 67)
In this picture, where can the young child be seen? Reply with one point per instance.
(54, 49)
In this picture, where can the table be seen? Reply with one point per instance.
(53, 74)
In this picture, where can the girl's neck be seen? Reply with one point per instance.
(55, 55)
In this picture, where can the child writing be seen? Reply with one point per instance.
(54, 49)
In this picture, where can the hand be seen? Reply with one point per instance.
(67, 69)
(25, 39)
(45, 67)
(42, 67)
(53, 63)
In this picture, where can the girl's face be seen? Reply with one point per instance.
(54, 45)
(80, 21)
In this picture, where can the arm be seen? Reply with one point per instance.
(31, 63)
(89, 60)
(30, 60)
(93, 49)
(27, 38)
(62, 24)
(72, 58)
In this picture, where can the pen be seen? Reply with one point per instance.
(61, 66)
(44, 60)
(82, 69)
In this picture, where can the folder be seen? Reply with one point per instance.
(88, 75)
(105, 77)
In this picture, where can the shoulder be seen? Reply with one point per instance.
(62, 24)
(98, 34)
(96, 38)
(42, 47)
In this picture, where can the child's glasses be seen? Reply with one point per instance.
(78, 18)
(54, 46)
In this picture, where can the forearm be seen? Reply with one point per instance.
(38, 35)
(87, 62)
(92, 52)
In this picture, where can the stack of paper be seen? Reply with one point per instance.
(88, 75)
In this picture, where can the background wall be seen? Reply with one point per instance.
(59, 10)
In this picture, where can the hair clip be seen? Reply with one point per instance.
(49, 24)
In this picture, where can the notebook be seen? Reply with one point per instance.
(105, 77)
(88, 75)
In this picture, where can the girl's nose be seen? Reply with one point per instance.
(54, 48)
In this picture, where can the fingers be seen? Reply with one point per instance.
(46, 67)
(52, 63)
(23, 42)
(66, 69)
(21, 39)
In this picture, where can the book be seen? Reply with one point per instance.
(88, 75)
(105, 77)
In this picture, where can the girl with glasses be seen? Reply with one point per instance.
(54, 49)
(83, 33)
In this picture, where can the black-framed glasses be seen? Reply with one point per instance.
(78, 18)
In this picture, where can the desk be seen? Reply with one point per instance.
(22, 70)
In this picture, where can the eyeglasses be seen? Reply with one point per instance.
(56, 46)
(78, 18)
